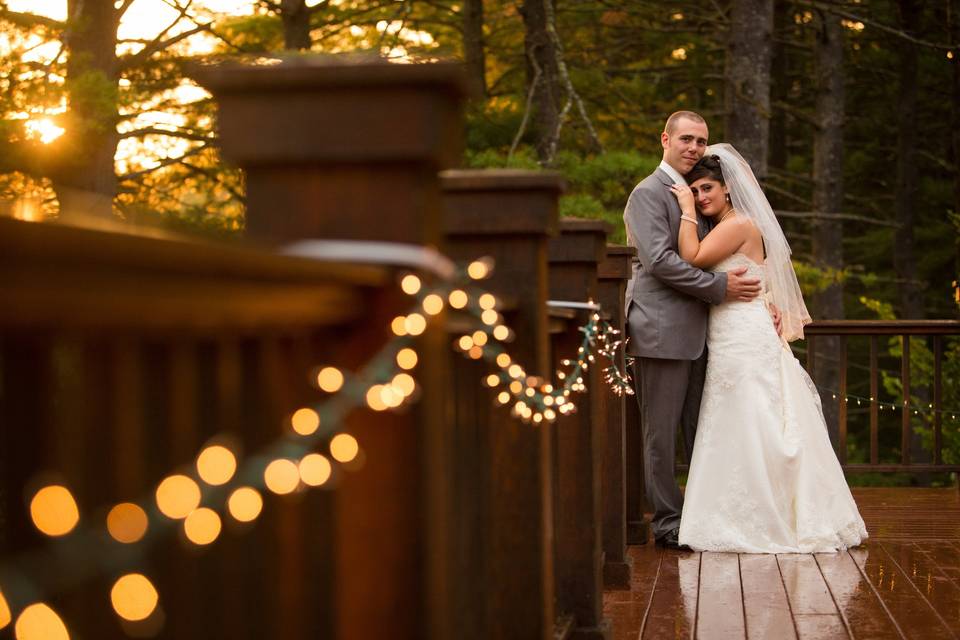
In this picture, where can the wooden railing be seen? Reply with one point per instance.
(123, 354)
(932, 331)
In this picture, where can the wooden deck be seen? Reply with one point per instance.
(904, 583)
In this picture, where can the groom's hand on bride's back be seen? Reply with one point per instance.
(741, 288)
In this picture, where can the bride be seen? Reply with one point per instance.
(763, 477)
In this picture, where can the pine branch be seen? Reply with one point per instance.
(823, 6)
(29, 20)
(166, 162)
(173, 133)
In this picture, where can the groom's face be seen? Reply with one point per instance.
(685, 145)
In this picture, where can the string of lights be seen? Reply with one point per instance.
(919, 406)
(221, 482)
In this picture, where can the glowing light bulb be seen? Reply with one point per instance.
(487, 301)
(344, 447)
(405, 383)
(202, 526)
(54, 511)
(134, 597)
(480, 269)
(433, 304)
(281, 476)
(458, 299)
(245, 504)
(177, 496)
(407, 358)
(216, 465)
(305, 421)
(410, 284)
(330, 379)
(415, 324)
(127, 523)
(315, 469)
(39, 622)
(4, 612)
(375, 398)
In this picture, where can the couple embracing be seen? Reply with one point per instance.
(711, 306)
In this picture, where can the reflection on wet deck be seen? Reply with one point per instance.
(905, 583)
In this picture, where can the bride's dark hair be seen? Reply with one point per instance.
(707, 167)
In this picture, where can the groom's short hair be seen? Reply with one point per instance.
(677, 115)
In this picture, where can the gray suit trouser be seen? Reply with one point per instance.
(669, 395)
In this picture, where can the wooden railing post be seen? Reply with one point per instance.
(574, 256)
(613, 273)
(502, 466)
(351, 150)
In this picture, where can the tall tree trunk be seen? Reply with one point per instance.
(779, 89)
(84, 177)
(747, 93)
(295, 16)
(473, 51)
(827, 235)
(542, 75)
(904, 251)
(954, 19)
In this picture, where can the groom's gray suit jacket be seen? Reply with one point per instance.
(670, 297)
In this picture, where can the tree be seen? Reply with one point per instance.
(827, 234)
(904, 250)
(747, 105)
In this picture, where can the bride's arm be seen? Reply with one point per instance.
(721, 242)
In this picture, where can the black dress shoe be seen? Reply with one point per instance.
(671, 540)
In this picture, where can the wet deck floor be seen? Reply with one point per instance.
(904, 583)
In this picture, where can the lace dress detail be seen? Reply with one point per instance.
(764, 477)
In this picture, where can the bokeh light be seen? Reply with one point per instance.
(330, 379)
(39, 622)
(410, 284)
(216, 465)
(487, 301)
(433, 304)
(281, 476)
(479, 338)
(458, 299)
(202, 526)
(305, 421)
(399, 326)
(503, 360)
(177, 496)
(245, 504)
(344, 447)
(490, 317)
(315, 469)
(375, 398)
(415, 324)
(479, 269)
(500, 332)
(54, 511)
(127, 523)
(465, 343)
(134, 597)
(4, 611)
(407, 358)
(405, 383)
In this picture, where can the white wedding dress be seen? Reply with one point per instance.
(764, 477)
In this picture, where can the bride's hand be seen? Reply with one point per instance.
(684, 198)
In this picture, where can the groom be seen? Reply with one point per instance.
(667, 305)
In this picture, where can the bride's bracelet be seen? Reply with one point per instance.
(689, 219)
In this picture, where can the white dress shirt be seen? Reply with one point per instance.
(673, 173)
